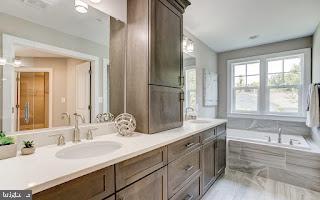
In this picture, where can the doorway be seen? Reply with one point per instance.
(32, 100)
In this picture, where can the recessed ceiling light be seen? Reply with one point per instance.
(253, 37)
(81, 6)
(95, 1)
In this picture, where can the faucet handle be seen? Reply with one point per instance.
(90, 133)
(61, 139)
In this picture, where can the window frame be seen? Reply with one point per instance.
(263, 90)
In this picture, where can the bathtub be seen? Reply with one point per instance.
(297, 142)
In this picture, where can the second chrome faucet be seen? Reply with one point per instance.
(76, 133)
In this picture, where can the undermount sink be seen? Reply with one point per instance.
(199, 121)
(88, 150)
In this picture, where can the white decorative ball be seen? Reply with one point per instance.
(126, 124)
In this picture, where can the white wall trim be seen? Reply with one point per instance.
(306, 76)
(8, 42)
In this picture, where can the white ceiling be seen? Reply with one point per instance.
(61, 15)
(227, 24)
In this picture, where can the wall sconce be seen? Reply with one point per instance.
(3, 61)
(188, 45)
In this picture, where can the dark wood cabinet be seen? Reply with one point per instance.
(184, 169)
(136, 168)
(154, 63)
(95, 186)
(151, 187)
(191, 191)
(208, 164)
(166, 38)
(220, 153)
(165, 108)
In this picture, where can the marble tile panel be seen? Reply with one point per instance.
(293, 178)
(234, 149)
(268, 155)
(255, 169)
(303, 162)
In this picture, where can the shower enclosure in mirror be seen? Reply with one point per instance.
(56, 62)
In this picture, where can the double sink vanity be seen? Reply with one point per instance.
(180, 163)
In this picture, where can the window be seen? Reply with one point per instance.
(190, 75)
(269, 85)
(284, 84)
(246, 82)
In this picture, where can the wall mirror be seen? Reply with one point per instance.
(55, 62)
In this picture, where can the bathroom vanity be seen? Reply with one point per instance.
(180, 163)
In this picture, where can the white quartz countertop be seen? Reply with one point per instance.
(43, 169)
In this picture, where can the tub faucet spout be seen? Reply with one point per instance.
(279, 135)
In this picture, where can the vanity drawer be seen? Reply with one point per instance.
(221, 128)
(182, 171)
(181, 147)
(208, 135)
(192, 191)
(96, 185)
(136, 168)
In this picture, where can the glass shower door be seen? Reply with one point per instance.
(32, 98)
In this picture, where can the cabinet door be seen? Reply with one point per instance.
(220, 154)
(208, 164)
(131, 170)
(96, 185)
(166, 44)
(152, 187)
(165, 108)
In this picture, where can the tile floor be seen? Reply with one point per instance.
(241, 186)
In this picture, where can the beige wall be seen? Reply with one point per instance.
(205, 58)
(288, 45)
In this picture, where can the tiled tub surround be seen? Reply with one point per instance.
(285, 164)
(291, 141)
(44, 170)
(271, 126)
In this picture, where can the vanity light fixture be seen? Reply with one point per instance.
(188, 45)
(81, 6)
(95, 1)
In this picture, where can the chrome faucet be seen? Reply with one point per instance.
(76, 133)
(188, 116)
(66, 117)
(279, 135)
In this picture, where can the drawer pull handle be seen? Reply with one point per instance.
(188, 168)
(189, 144)
(188, 197)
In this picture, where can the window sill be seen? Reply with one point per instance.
(267, 117)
